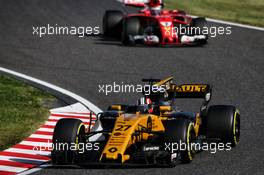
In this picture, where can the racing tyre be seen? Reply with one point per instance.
(67, 133)
(180, 132)
(112, 23)
(131, 27)
(223, 122)
(199, 23)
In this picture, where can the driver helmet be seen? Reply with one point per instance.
(146, 103)
(155, 4)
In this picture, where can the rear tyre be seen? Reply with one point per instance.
(131, 27)
(112, 23)
(223, 122)
(181, 132)
(67, 133)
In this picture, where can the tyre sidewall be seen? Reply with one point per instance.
(220, 123)
(66, 132)
(131, 27)
(178, 131)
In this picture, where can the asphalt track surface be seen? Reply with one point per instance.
(232, 64)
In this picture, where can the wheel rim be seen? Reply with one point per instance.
(190, 140)
(236, 129)
(80, 135)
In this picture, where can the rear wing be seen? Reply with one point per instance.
(203, 91)
(172, 91)
(134, 3)
(179, 91)
(191, 91)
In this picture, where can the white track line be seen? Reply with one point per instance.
(26, 151)
(235, 24)
(54, 123)
(232, 23)
(22, 160)
(33, 170)
(50, 123)
(82, 100)
(41, 144)
(58, 118)
(71, 108)
(12, 158)
(69, 114)
(40, 136)
(46, 129)
(11, 169)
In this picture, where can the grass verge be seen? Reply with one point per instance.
(241, 11)
(22, 110)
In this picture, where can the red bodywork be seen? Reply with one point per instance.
(167, 21)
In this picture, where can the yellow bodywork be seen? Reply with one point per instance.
(126, 125)
(122, 136)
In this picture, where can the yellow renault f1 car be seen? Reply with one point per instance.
(151, 132)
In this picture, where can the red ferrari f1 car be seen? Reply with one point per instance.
(153, 25)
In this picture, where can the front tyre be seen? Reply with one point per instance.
(67, 134)
(131, 27)
(180, 132)
(223, 122)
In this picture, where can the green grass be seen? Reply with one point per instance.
(241, 11)
(22, 110)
